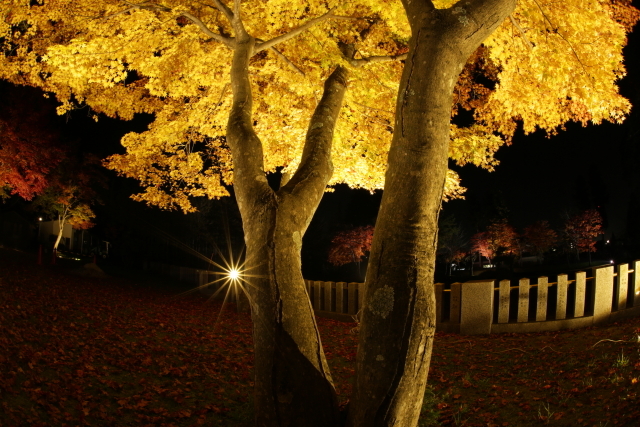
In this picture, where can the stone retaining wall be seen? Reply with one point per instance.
(608, 293)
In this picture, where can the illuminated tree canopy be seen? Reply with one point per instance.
(550, 62)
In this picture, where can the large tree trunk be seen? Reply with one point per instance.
(398, 321)
(293, 386)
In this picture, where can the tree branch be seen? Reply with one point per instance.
(227, 41)
(224, 9)
(246, 147)
(375, 59)
(238, 25)
(315, 167)
(524, 36)
(557, 31)
(351, 18)
(284, 37)
(293, 66)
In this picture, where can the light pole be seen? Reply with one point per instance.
(39, 242)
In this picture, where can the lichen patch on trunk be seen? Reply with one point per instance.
(382, 301)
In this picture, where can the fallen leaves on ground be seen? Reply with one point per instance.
(87, 351)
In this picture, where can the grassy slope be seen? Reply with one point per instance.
(79, 350)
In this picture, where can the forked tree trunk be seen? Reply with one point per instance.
(398, 321)
(293, 386)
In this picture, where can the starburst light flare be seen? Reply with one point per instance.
(234, 274)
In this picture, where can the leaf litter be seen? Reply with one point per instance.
(114, 351)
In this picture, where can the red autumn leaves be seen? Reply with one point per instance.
(29, 143)
(351, 245)
(578, 234)
(76, 351)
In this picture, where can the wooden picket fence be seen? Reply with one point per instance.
(607, 293)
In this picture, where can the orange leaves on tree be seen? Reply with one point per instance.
(472, 89)
(481, 244)
(581, 230)
(623, 12)
(539, 237)
(29, 144)
(500, 238)
(351, 246)
(503, 237)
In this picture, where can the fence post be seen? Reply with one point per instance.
(623, 286)
(454, 307)
(339, 297)
(351, 301)
(503, 307)
(327, 296)
(439, 287)
(581, 293)
(315, 288)
(201, 281)
(561, 300)
(477, 307)
(543, 292)
(523, 300)
(602, 293)
(636, 283)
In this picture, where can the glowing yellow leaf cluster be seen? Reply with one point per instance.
(558, 61)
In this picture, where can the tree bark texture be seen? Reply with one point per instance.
(293, 386)
(61, 221)
(398, 320)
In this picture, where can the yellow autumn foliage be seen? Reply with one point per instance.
(558, 61)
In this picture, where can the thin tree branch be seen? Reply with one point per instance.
(371, 108)
(224, 9)
(374, 119)
(351, 18)
(284, 37)
(605, 340)
(557, 31)
(227, 41)
(524, 36)
(293, 66)
(376, 59)
(118, 13)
